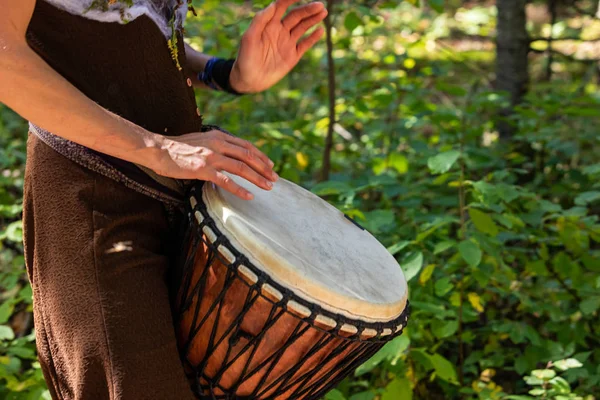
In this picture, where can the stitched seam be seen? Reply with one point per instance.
(47, 334)
(110, 359)
(38, 302)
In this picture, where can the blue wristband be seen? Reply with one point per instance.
(216, 75)
(206, 76)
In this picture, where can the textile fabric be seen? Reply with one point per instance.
(98, 256)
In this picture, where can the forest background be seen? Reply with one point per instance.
(464, 135)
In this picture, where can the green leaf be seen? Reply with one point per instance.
(483, 222)
(444, 329)
(426, 274)
(368, 395)
(443, 246)
(443, 368)
(390, 351)
(591, 169)
(6, 310)
(399, 162)
(587, 198)
(396, 248)
(379, 220)
(412, 265)
(537, 392)
(470, 252)
(334, 395)
(352, 21)
(569, 363)
(443, 162)
(437, 5)
(331, 187)
(6, 333)
(398, 389)
(590, 305)
(560, 385)
(443, 286)
(543, 374)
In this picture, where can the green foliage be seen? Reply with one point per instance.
(499, 239)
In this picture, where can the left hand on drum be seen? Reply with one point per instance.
(205, 155)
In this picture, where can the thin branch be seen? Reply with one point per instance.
(553, 18)
(331, 78)
(562, 39)
(567, 56)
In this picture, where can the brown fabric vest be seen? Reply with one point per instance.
(125, 68)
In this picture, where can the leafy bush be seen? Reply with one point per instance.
(498, 238)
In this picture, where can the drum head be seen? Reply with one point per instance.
(308, 246)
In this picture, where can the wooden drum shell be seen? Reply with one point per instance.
(227, 340)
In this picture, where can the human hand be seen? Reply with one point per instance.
(271, 46)
(206, 155)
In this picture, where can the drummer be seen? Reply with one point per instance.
(108, 100)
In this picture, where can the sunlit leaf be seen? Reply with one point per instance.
(475, 301)
(426, 274)
(398, 389)
(443, 162)
(568, 363)
(412, 265)
(483, 222)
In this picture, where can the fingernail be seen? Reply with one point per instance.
(274, 176)
(271, 163)
(249, 196)
(269, 184)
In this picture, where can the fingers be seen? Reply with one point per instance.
(225, 182)
(249, 158)
(281, 7)
(241, 169)
(303, 26)
(300, 13)
(249, 146)
(308, 42)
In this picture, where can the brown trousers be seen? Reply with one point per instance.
(96, 255)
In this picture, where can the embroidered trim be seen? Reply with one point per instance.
(124, 11)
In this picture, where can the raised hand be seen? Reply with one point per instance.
(273, 44)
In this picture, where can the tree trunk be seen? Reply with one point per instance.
(512, 47)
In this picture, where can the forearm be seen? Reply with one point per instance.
(38, 93)
(196, 61)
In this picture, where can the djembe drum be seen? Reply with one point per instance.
(280, 297)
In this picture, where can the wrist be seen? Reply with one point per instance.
(236, 82)
(217, 75)
(153, 150)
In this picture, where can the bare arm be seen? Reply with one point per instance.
(38, 93)
(196, 61)
(35, 91)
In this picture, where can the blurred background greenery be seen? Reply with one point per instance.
(465, 137)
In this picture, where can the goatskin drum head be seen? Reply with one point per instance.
(310, 247)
